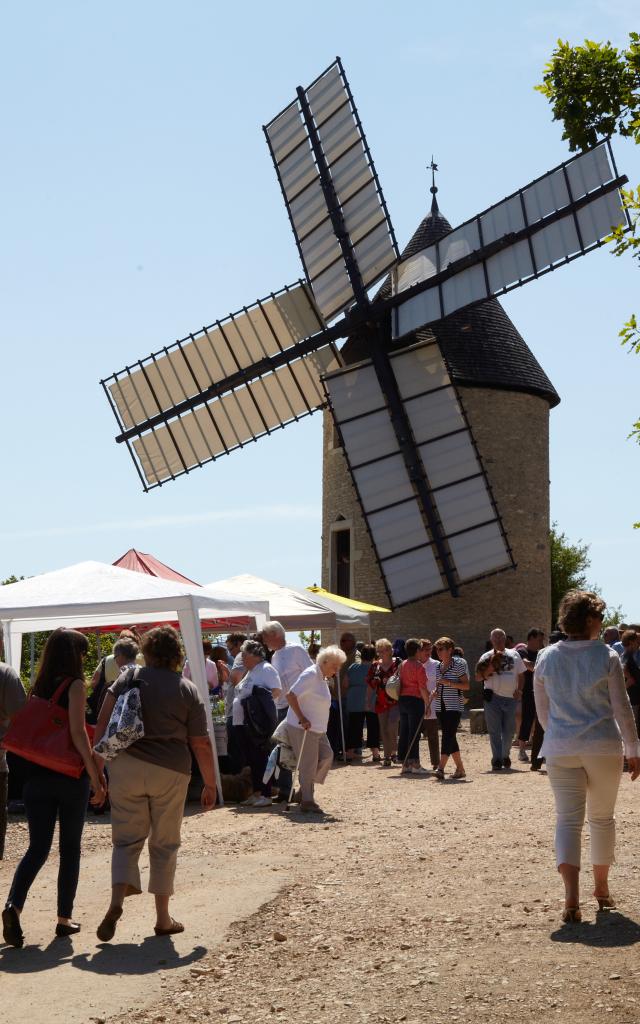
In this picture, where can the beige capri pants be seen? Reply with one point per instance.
(147, 801)
(316, 760)
(580, 780)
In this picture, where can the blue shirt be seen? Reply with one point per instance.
(357, 688)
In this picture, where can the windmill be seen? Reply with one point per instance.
(423, 490)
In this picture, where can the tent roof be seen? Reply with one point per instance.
(138, 561)
(93, 594)
(295, 609)
(359, 606)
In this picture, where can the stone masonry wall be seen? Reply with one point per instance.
(512, 434)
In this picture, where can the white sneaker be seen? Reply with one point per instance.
(419, 770)
(523, 756)
(262, 801)
(250, 801)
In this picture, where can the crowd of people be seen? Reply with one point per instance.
(291, 712)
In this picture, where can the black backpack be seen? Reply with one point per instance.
(260, 713)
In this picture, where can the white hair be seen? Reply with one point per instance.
(253, 647)
(498, 632)
(273, 628)
(332, 653)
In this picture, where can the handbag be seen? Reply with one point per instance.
(40, 733)
(126, 725)
(393, 684)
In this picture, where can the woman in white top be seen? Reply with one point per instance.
(309, 702)
(582, 704)
(254, 751)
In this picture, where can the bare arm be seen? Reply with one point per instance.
(541, 699)
(108, 705)
(461, 683)
(622, 711)
(203, 753)
(80, 739)
(519, 685)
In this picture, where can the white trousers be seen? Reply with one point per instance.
(580, 780)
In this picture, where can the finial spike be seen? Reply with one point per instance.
(433, 167)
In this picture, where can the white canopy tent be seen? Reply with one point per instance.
(91, 594)
(295, 609)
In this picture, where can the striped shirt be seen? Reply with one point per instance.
(448, 698)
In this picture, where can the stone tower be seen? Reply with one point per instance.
(507, 397)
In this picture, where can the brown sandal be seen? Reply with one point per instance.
(174, 929)
(107, 927)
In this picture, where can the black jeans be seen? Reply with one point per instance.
(536, 743)
(234, 753)
(334, 731)
(528, 713)
(355, 730)
(373, 730)
(4, 796)
(411, 716)
(49, 796)
(255, 754)
(449, 722)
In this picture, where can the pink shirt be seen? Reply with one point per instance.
(413, 678)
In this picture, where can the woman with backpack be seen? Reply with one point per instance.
(148, 780)
(385, 666)
(51, 796)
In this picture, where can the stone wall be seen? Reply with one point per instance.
(512, 434)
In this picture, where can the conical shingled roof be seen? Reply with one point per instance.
(481, 345)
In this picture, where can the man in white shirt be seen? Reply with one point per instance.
(430, 724)
(502, 672)
(289, 661)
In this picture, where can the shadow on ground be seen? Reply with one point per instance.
(116, 958)
(610, 929)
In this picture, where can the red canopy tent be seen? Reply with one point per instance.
(138, 561)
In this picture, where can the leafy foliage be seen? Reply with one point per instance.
(594, 89)
(613, 616)
(569, 564)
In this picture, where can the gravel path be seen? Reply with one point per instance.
(414, 900)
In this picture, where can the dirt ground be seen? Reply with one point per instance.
(413, 900)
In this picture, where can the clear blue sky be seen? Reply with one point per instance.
(139, 202)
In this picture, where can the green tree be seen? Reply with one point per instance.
(594, 90)
(569, 564)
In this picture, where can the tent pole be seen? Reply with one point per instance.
(32, 656)
(339, 692)
(192, 639)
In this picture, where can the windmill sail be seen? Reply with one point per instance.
(327, 177)
(550, 222)
(412, 556)
(221, 425)
(228, 384)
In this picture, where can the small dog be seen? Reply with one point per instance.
(236, 788)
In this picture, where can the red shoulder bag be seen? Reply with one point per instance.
(40, 733)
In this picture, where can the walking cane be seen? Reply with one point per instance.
(417, 732)
(295, 770)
